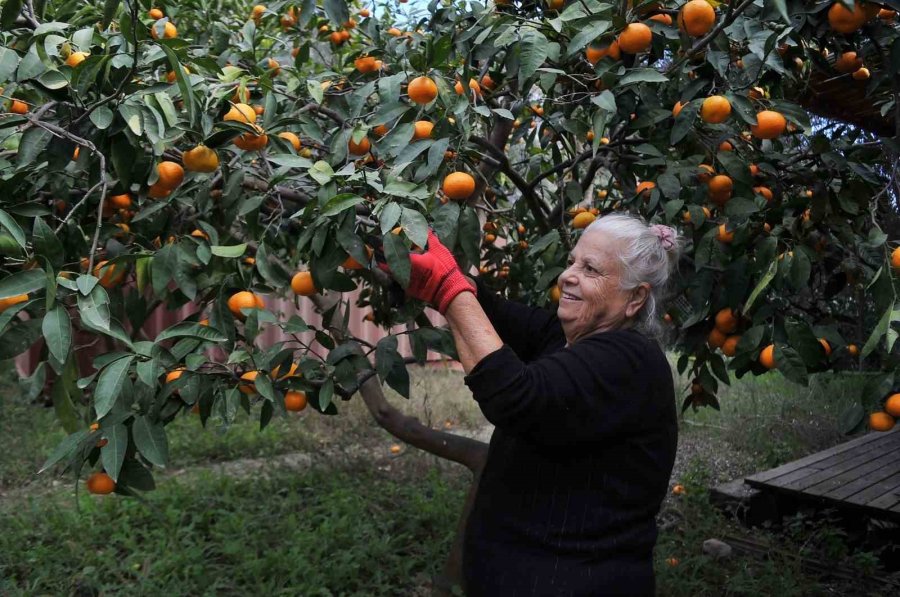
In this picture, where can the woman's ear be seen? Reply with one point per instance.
(636, 302)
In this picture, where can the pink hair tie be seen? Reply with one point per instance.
(665, 234)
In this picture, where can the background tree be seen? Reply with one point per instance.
(218, 154)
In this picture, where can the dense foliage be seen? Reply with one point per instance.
(220, 154)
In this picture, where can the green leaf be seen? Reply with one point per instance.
(761, 285)
(24, 282)
(878, 332)
(851, 418)
(65, 448)
(109, 11)
(31, 145)
(228, 251)
(415, 226)
(10, 11)
(8, 222)
(46, 244)
(192, 330)
(102, 117)
(110, 384)
(150, 440)
(533, 51)
(337, 11)
(643, 75)
(397, 258)
(113, 453)
(184, 84)
(340, 202)
(57, 330)
(19, 338)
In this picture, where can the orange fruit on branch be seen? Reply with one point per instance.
(644, 188)
(76, 58)
(881, 421)
(200, 159)
(716, 339)
(724, 235)
(8, 302)
(458, 185)
(155, 14)
(825, 346)
(18, 107)
(361, 148)
(122, 201)
(170, 174)
(892, 405)
(252, 141)
(848, 62)
(726, 321)
(241, 113)
(422, 90)
(246, 386)
(715, 109)
(769, 125)
(365, 64)
(677, 108)
(595, 54)
(662, 18)
(109, 275)
(767, 357)
(729, 347)
(861, 74)
(294, 401)
(244, 299)
(845, 21)
(100, 483)
(765, 192)
(635, 38)
(583, 220)
(302, 284)
(696, 18)
(291, 138)
(423, 129)
(169, 31)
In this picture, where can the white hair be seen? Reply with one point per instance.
(646, 259)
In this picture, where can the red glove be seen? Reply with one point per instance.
(435, 277)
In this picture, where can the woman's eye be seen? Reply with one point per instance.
(570, 261)
(589, 269)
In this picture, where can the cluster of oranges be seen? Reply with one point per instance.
(884, 420)
(166, 30)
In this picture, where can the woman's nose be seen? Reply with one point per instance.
(568, 277)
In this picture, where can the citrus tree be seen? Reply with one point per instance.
(214, 153)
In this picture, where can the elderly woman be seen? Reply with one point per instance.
(584, 408)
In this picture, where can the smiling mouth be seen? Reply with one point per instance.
(569, 296)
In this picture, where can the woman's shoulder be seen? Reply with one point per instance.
(628, 347)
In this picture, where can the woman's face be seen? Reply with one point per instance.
(592, 299)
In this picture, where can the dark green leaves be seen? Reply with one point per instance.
(24, 282)
(109, 385)
(113, 453)
(150, 440)
(57, 330)
(397, 257)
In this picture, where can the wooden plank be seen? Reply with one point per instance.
(889, 471)
(812, 458)
(850, 475)
(886, 501)
(857, 459)
(873, 492)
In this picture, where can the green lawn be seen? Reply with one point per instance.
(371, 524)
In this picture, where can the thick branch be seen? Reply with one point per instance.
(468, 452)
(534, 203)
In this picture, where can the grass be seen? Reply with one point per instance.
(327, 532)
(379, 525)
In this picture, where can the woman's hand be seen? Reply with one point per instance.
(435, 276)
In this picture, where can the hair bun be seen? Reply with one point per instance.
(666, 235)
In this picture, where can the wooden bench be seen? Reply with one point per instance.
(862, 474)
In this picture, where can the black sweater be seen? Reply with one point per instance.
(579, 462)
